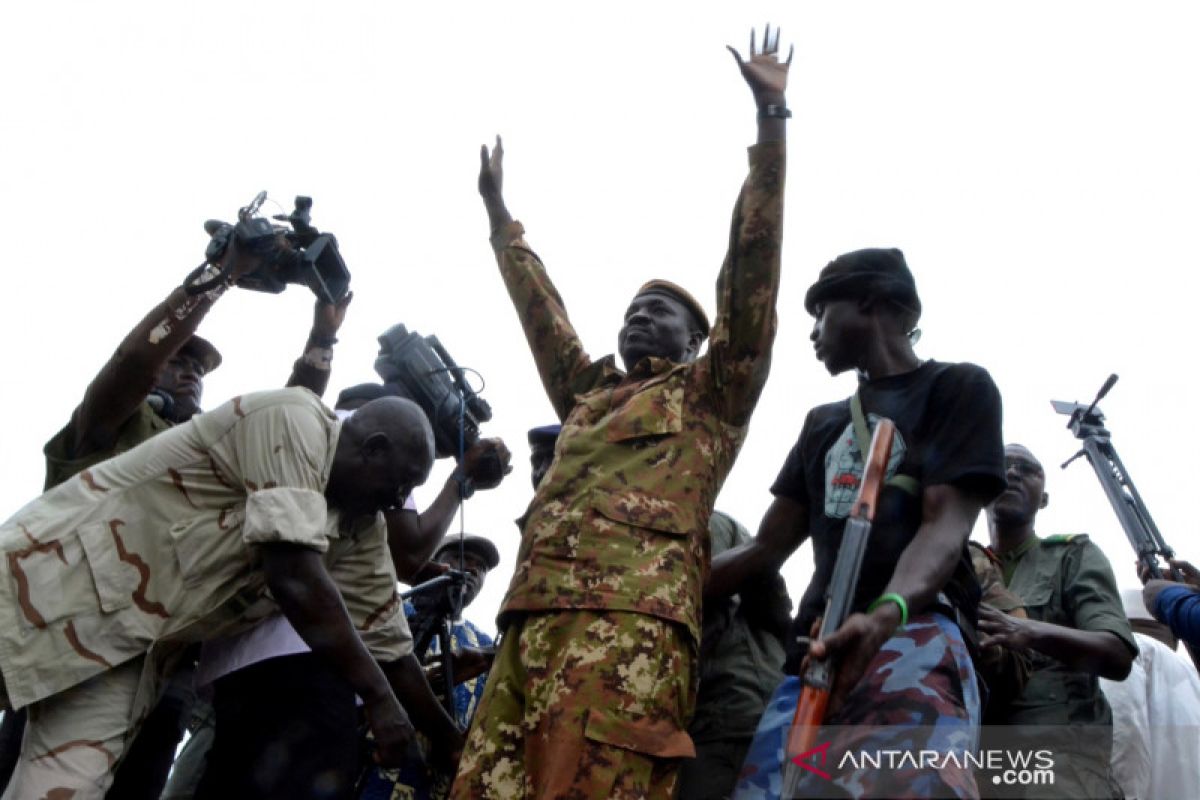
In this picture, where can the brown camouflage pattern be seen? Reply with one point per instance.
(153, 548)
(582, 705)
(620, 520)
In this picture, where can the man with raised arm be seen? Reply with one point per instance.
(155, 379)
(595, 681)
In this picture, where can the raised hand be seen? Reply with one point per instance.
(765, 74)
(491, 184)
(487, 462)
(491, 171)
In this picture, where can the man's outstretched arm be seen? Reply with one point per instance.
(311, 602)
(123, 383)
(556, 348)
(748, 285)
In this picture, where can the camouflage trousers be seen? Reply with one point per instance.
(582, 704)
(74, 739)
(918, 694)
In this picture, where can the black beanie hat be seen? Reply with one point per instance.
(873, 271)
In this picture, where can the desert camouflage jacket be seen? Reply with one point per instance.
(155, 546)
(620, 521)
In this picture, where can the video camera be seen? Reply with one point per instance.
(431, 378)
(297, 254)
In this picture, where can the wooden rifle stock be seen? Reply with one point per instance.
(818, 677)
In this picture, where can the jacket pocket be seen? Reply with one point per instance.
(80, 573)
(661, 738)
(653, 412)
(641, 510)
(202, 554)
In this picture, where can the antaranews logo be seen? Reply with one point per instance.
(1008, 767)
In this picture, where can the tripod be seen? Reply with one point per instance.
(1087, 424)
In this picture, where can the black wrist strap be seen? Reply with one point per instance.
(774, 112)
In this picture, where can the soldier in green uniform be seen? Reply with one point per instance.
(594, 683)
(1076, 633)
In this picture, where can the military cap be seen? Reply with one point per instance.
(682, 295)
(546, 434)
(203, 351)
(479, 545)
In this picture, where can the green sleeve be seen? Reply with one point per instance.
(1090, 594)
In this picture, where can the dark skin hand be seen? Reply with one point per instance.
(947, 516)
(408, 681)
(311, 602)
(468, 663)
(413, 537)
(767, 77)
(1095, 652)
(1154, 586)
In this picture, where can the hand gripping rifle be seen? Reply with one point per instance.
(1087, 423)
(818, 677)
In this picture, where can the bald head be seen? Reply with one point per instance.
(1018, 506)
(385, 449)
(1015, 450)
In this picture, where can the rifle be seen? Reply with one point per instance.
(1087, 424)
(839, 598)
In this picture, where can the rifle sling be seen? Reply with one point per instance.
(862, 434)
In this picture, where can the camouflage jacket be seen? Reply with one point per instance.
(156, 546)
(620, 521)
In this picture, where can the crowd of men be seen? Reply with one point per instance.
(235, 573)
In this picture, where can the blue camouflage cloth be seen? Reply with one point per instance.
(918, 694)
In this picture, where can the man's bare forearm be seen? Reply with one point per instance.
(930, 558)
(413, 537)
(1095, 652)
(125, 380)
(311, 602)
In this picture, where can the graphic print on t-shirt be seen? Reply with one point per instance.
(844, 468)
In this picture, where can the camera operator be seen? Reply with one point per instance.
(473, 652)
(154, 380)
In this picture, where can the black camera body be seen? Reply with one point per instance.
(431, 378)
(298, 254)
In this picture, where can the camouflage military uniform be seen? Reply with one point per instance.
(110, 571)
(619, 523)
(1067, 580)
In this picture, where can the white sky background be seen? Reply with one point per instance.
(1037, 163)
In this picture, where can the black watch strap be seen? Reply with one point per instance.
(777, 112)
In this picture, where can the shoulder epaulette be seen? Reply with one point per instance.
(1066, 538)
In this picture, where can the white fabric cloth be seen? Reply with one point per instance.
(1156, 724)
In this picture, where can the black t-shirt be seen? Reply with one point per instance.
(948, 431)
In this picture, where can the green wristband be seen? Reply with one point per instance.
(891, 597)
